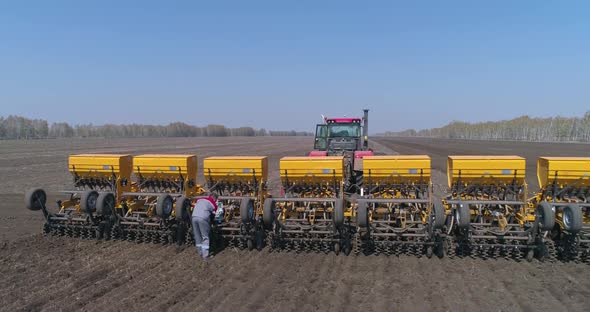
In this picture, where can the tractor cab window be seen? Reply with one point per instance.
(321, 132)
(344, 130)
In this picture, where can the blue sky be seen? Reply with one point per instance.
(281, 64)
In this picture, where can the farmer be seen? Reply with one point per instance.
(204, 208)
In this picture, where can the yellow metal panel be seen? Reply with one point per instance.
(486, 169)
(567, 170)
(161, 165)
(235, 168)
(313, 169)
(100, 165)
(396, 168)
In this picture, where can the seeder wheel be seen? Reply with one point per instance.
(247, 210)
(545, 216)
(572, 218)
(164, 206)
(88, 201)
(362, 215)
(181, 208)
(105, 204)
(268, 214)
(35, 199)
(462, 215)
(438, 215)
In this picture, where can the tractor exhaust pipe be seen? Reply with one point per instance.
(365, 138)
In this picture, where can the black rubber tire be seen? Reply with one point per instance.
(338, 214)
(35, 199)
(545, 216)
(181, 208)
(362, 214)
(438, 218)
(88, 201)
(462, 215)
(337, 248)
(268, 213)
(247, 210)
(105, 204)
(164, 206)
(250, 244)
(572, 218)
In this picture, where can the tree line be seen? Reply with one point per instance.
(524, 128)
(17, 127)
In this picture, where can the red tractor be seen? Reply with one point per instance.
(343, 137)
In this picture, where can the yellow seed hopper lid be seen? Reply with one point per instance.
(235, 168)
(396, 168)
(563, 170)
(100, 165)
(165, 166)
(486, 169)
(312, 169)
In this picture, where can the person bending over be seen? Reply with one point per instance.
(204, 208)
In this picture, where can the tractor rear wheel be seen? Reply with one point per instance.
(247, 210)
(35, 199)
(164, 206)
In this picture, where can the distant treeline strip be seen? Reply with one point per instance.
(16, 127)
(525, 128)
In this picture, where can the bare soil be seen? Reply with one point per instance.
(51, 273)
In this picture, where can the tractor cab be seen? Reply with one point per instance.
(339, 135)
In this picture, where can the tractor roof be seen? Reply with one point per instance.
(343, 120)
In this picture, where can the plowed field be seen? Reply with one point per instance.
(66, 274)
